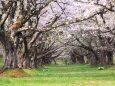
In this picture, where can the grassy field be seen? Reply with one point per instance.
(64, 75)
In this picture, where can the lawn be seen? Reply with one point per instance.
(64, 75)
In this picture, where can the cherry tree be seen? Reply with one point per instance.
(24, 25)
(95, 17)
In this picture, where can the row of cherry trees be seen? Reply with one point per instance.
(24, 32)
(94, 41)
(93, 48)
(26, 25)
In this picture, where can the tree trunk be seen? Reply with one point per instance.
(102, 57)
(94, 59)
(80, 59)
(74, 60)
(110, 57)
(9, 55)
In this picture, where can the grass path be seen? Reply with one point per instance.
(64, 75)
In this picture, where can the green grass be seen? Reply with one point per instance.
(64, 75)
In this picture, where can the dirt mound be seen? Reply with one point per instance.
(14, 73)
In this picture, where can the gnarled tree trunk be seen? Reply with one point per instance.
(9, 55)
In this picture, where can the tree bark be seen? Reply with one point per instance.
(110, 57)
(9, 55)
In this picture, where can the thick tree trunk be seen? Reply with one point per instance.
(110, 58)
(102, 57)
(87, 59)
(74, 60)
(94, 59)
(80, 59)
(9, 55)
